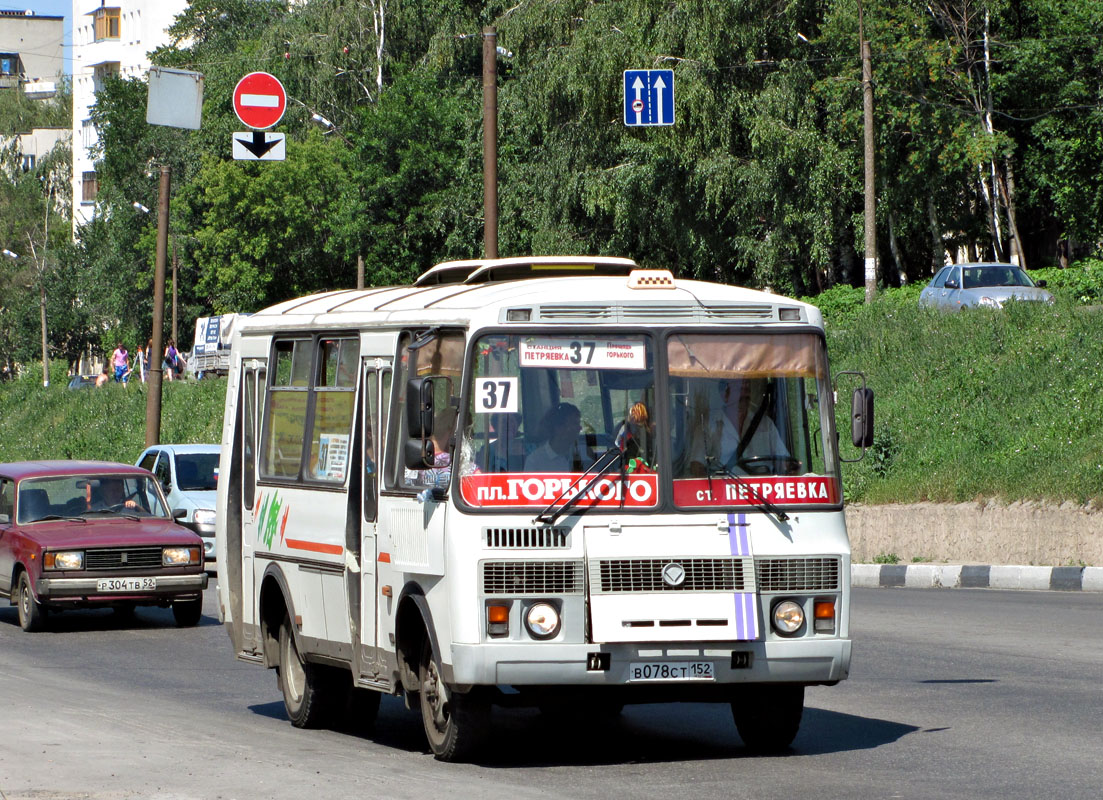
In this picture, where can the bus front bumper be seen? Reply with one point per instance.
(813, 661)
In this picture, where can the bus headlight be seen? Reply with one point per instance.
(788, 617)
(542, 620)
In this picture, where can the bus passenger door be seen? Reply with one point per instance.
(376, 371)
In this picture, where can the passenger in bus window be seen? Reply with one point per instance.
(740, 431)
(636, 435)
(439, 475)
(559, 452)
(505, 452)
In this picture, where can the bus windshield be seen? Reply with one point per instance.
(747, 420)
(544, 408)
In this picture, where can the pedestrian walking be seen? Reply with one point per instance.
(170, 360)
(120, 359)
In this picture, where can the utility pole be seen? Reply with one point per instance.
(175, 335)
(870, 187)
(153, 399)
(359, 270)
(490, 142)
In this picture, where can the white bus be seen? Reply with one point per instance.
(564, 482)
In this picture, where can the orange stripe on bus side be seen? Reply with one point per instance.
(315, 547)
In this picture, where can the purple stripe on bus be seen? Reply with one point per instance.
(738, 538)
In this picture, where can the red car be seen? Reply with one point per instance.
(93, 534)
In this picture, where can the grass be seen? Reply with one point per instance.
(980, 404)
(107, 423)
(969, 406)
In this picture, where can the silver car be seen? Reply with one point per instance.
(188, 474)
(990, 285)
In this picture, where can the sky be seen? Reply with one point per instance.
(49, 8)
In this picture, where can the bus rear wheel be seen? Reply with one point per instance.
(455, 724)
(768, 717)
(309, 694)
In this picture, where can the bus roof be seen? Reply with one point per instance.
(629, 295)
(521, 267)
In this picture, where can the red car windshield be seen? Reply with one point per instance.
(44, 499)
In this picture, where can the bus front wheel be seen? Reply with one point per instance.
(308, 694)
(455, 723)
(768, 717)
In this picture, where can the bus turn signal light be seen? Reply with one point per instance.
(497, 620)
(824, 613)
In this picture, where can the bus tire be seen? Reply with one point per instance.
(455, 724)
(309, 693)
(32, 614)
(768, 717)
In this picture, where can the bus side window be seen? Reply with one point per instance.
(249, 433)
(371, 465)
(441, 358)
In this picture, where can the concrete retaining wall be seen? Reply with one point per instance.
(1025, 533)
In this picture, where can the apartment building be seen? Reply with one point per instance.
(32, 62)
(110, 37)
(31, 54)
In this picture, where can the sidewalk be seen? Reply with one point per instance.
(971, 576)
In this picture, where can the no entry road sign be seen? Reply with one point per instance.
(259, 100)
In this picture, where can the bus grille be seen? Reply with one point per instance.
(798, 574)
(578, 312)
(738, 312)
(654, 312)
(527, 538)
(532, 577)
(611, 576)
(123, 558)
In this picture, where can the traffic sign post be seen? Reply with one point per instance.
(259, 100)
(648, 97)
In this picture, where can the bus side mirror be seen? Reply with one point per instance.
(419, 408)
(861, 418)
(418, 454)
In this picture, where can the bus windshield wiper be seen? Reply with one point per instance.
(615, 457)
(760, 502)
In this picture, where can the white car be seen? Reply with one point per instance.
(960, 286)
(188, 474)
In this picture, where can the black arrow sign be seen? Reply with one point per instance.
(258, 146)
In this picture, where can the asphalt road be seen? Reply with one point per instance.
(953, 693)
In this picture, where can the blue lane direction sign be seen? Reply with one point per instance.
(648, 97)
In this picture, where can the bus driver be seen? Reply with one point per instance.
(742, 430)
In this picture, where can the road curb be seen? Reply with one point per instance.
(974, 576)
